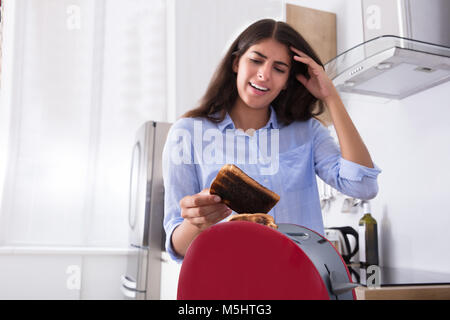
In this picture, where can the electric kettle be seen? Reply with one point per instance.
(341, 235)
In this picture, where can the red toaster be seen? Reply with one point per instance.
(242, 260)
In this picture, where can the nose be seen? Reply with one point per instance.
(264, 72)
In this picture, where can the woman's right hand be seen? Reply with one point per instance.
(203, 209)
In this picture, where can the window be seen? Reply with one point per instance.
(86, 75)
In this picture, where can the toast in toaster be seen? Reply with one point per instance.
(241, 193)
(261, 218)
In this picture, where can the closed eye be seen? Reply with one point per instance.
(259, 62)
(255, 61)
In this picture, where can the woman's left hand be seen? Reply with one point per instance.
(318, 84)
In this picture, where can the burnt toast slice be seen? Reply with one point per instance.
(241, 193)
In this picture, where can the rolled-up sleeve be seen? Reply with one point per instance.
(180, 179)
(348, 177)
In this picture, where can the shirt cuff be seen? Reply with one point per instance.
(169, 248)
(352, 171)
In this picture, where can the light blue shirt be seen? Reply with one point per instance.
(284, 159)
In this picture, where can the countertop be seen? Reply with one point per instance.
(388, 276)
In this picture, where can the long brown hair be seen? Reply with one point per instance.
(295, 103)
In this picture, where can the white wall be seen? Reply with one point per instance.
(408, 140)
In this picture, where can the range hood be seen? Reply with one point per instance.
(408, 50)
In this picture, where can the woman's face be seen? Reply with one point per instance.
(262, 72)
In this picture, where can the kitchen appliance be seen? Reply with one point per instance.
(243, 260)
(145, 214)
(339, 237)
(406, 50)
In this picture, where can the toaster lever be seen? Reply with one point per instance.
(339, 284)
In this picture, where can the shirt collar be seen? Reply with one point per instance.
(227, 122)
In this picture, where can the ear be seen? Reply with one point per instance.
(235, 64)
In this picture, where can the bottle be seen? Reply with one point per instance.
(368, 238)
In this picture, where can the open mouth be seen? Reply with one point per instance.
(258, 87)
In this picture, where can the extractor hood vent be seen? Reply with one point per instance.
(391, 66)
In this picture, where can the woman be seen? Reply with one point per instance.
(265, 89)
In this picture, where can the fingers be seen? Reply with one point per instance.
(210, 219)
(314, 69)
(304, 58)
(202, 211)
(300, 53)
(199, 200)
